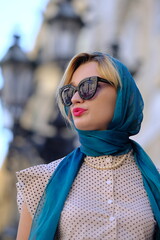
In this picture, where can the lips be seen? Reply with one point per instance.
(78, 111)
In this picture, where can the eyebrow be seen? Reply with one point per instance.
(72, 83)
(83, 79)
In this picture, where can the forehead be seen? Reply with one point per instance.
(85, 70)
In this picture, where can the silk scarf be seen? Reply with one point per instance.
(115, 140)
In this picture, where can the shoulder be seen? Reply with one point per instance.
(31, 184)
(36, 177)
(39, 171)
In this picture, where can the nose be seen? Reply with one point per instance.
(76, 98)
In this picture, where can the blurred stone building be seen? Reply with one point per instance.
(127, 29)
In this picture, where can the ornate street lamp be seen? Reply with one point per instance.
(17, 72)
(64, 27)
(61, 34)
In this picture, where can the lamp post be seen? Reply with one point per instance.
(17, 72)
(64, 27)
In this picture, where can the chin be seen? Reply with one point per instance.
(88, 127)
(83, 123)
(83, 127)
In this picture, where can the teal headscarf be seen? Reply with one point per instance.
(113, 141)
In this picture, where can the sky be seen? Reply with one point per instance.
(16, 17)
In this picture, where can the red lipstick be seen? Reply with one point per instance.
(78, 111)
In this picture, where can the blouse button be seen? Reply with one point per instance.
(109, 201)
(111, 218)
(108, 181)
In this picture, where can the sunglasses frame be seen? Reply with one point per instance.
(96, 79)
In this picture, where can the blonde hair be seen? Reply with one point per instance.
(106, 69)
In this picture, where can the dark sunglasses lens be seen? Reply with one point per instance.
(67, 95)
(87, 89)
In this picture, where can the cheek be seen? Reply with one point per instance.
(105, 107)
(111, 101)
(108, 101)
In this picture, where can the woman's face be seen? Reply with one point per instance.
(97, 112)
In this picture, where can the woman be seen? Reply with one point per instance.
(108, 188)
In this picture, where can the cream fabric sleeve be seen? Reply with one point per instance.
(31, 184)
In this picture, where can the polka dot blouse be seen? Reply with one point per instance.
(102, 204)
